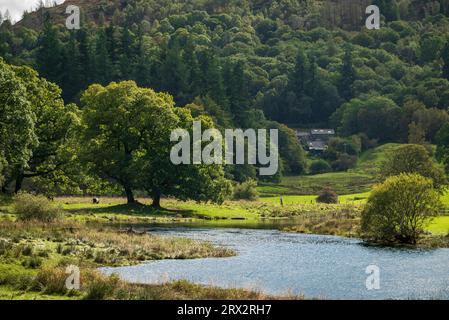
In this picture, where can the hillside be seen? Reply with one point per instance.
(346, 14)
(90, 10)
(259, 64)
(332, 12)
(357, 180)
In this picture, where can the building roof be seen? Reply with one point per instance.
(302, 133)
(323, 131)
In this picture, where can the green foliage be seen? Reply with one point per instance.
(244, 64)
(49, 53)
(276, 56)
(388, 8)
(414, 159)
(327, 195)
(56, 129)
(34, 207)
(400, 208)
(246, 191)
(445, 57)
(320, 166)
(348, 75)
(290, 150)
(17, 135)
(117, 118)
(442, 152)
(377, 117)
(342, 153)
(126, 140)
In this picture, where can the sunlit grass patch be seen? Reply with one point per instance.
(439, 226)
(357, 198)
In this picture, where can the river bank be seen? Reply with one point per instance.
(325, 267)
(34, 257)
(341, 219)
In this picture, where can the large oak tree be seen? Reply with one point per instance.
(126, 139)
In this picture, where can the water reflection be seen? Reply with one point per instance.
(314, 265)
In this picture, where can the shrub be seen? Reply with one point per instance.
(320, 166)
(34, 207)
(344, 162)
(327, 195)
(398, 209)
(246, 191)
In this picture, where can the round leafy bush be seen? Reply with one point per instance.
(320, 166)
(400, 208)
(246, 191)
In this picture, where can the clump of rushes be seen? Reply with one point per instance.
(35, 207)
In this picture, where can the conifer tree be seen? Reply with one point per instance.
(347, 76)
(49, 54)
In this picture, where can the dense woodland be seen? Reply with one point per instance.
(256, 64)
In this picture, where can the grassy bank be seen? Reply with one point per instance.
(34, 255)
(49, 284)
(310, 217)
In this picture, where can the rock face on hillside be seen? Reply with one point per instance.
(91, 10)
(348, 14)
(345, 14)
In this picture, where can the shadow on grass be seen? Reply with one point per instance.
(136, 209)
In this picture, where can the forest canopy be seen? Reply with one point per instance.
(255, 64)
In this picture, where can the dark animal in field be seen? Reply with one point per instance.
(96, 201)
(50, 198)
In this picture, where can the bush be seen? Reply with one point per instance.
(32, 207)
(327, 195)
(344, 162)
(320, 166)
(246, 191)
(399, 209)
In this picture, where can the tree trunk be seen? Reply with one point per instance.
(19, 182)
(129, 195)
(156, 200)
(5, 185)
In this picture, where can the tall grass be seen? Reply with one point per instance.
(96, 286)
(103, 246)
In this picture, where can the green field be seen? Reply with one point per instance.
(355, 181)
(439, 226)
(356, 198)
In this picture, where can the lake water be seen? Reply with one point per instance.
(316, 266)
